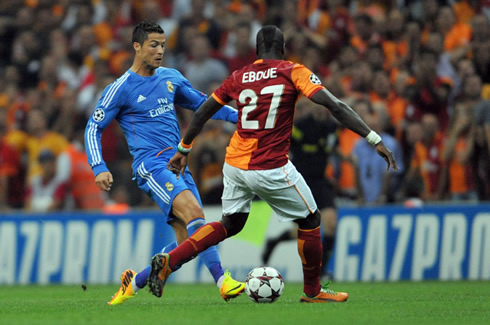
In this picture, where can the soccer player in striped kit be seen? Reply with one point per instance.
(256, 160)
(142, 101)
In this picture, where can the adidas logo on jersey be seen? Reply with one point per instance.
(141, 98)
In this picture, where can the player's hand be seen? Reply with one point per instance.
(177, 164)
(104, 181)
(387, 155)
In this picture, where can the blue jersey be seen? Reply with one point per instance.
(144, 108)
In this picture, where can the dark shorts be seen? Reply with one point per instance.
(323, 192)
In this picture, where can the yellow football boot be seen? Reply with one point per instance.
(231, 288)
(126, 291)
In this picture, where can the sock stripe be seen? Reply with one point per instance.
(203, 232)
(308, 230)
(301, 246)
(193, 245)
(195, 221)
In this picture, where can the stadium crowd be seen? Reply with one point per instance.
(416, 71)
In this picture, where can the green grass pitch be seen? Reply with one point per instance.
(465, 302)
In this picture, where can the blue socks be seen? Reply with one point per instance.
(209, 257)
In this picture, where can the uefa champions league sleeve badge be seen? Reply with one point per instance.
(99, 115)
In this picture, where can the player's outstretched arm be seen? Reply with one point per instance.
(350, 119)
(178, 162)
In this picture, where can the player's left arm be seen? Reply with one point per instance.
(350, 119)
(307, 83)
(178, 162)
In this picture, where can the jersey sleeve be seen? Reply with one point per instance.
(223, 94)
(226, 113)
(188, 97)
(305, 81)
(106, 110)
(192, 99)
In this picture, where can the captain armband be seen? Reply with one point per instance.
(184, 148)
(373, 138)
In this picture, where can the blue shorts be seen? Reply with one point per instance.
(161, 185)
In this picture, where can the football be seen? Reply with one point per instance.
(264, 284)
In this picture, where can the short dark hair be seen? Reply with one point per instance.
(141, 31)
(270, 38)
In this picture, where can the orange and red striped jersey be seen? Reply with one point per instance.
(266, 93)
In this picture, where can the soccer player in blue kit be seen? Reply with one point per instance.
(142, 101)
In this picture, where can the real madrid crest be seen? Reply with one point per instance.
(170, 87)
(169, 186)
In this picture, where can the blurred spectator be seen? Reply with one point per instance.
(429, 10)
(362, 77)
(457, 152)
(244, 53)
(10, 169)
(456, 34)
(375, 57)
(383, 94)
(209, 157)
(40, 138)
(446, 62)
(118, 203)
(464, 10)
(481, 60)
(479, 111)
(26, 56)
(429, 93)
(364, 36)
(205, 26)
(45, 192)
(347, 140)
(78, 176)
(426, 160)
(395, 46)
(202, 69)
(399, 104)
(412, 135)
(480, 29)
(464, 69)
(374, 183)
(251, 14)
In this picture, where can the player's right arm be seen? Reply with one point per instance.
(106, 110)
(350, 119)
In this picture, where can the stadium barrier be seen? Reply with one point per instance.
(450, 242)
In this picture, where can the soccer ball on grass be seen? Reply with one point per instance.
(264, 284)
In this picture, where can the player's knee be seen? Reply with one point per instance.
(310, 222)
(191, 212)
(234, 223)
(186, 207)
